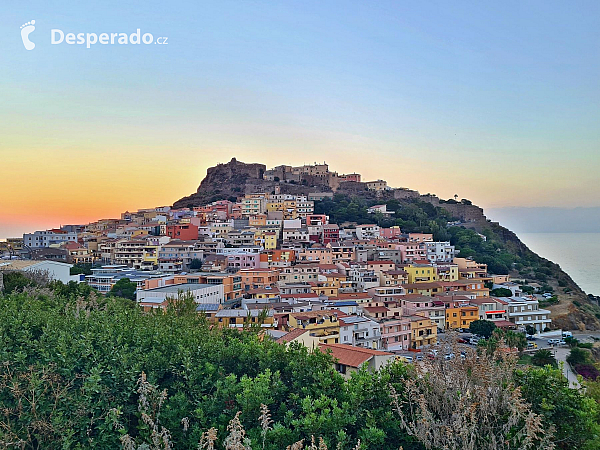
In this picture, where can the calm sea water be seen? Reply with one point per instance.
(578, 254)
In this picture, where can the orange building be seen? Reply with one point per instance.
(461, 316)
(232, 283)
(259, 220)
(467, 285)
(185, 232)
(277, 258)
(258, 278)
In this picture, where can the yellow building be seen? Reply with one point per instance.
(422, 331)
(239, 318)
(421, 273)
(461, 316)
(429, 289)
(325, 288)
(393, 278)
(324, 324)
(287, 207)
(270, 240)
(447, 272)
(301, 336)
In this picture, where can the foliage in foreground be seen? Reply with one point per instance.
(70, 364)
(471, 403)
(69, 370)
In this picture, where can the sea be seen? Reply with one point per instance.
(578, 254)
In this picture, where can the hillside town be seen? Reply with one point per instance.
(268, 260)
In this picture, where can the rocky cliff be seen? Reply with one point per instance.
(222, 182)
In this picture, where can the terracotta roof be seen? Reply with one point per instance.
(396, 272)
(349, 295)
(375, 309)
(481, 301)
(307, 295)
(349, 355)
(319, 313)
(291, 335)
(430, 285)
(263, 291)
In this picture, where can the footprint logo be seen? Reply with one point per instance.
(26, 30)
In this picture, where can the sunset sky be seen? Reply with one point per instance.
(498, 102)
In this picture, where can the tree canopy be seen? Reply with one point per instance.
(123, 288)
(483, 328)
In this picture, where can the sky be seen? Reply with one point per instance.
(498, 102)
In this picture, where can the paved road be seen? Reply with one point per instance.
(561, 354)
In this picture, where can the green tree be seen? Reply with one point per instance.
(15, 281)
(196, 264)
(123, 288)
(572, 414)
(501, 292)
(483, 328)
(572, 342)
(578, 356)
(530, 330)
(81, 268)
(544, 357)
(510, 338)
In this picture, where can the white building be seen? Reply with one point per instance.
(202, 293)
(360, 331)
(512, 287)
(55, 270)
(367, 231)
(440, 251)
(523, 311)
(42, 239)
(296, 235)
(105, 277)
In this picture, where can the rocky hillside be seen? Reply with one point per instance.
(222, 182)
(415, 212)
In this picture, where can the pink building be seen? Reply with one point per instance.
(243, 260)
(390, 233)
(412, 251)
(395, 333)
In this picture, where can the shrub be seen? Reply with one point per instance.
(587, 371)
(544, 357)
(578, 356)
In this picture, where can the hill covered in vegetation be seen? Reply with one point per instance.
(476, 237)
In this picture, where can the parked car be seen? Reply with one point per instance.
(566, 334)
(531, 345)
(449, 356)
(530, 337)
(474, 340)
